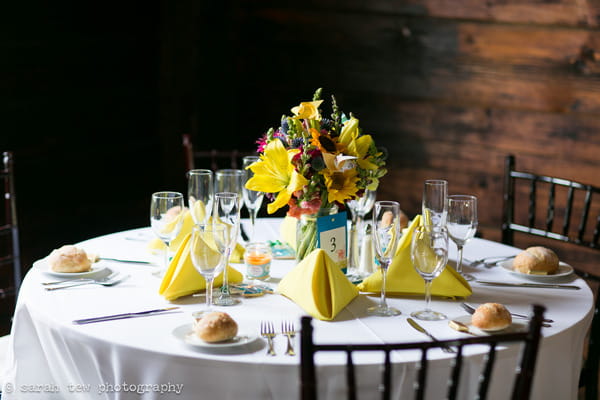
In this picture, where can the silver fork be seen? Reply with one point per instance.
(267, 330)
(489, 264)
(287, 328)
(110, 280)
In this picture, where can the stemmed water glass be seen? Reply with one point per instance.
(462, 224)
(166, 218)
(252, 199)
(200, 194)
(429, 255)
(207, 251)
(386, 233)
(227, 214)
(435, 202)
(358, 209)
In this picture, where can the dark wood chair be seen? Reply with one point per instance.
(211, 159)
(563, 203)
(10, 255)
(523, 372)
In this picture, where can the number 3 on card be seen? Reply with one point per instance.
(332, 237)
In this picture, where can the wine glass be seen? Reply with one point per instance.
(166, 218)
(232, 181)
(252, 199)
(386, 233)
(429, 255)
(227, 214)
(200, 194)
(435, 202)
(462, 224)
(207, 251)
(358, 209)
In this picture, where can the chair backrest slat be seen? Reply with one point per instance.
(386, 381)
(523, 374)
(422, 376)
(532, 203)
(455, 376)
(490, 359)
(596, 232)
(568, 211)
(350, 376)
(584, 214)
(550, 212)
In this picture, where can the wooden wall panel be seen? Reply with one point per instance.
(448, 87)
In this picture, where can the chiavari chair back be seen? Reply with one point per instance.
(523, 373)
(560, 210)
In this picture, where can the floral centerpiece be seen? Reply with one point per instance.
(314, 164)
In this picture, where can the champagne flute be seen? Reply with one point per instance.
(200, 194)
(429, 255)
(358, 209)
(207, 251)
(462, 224)
(386, 233)
(252, 199)
(435, 202)
(166, 218)
(232, 181)
(227, 214)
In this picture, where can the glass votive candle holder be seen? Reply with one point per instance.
(258, 258)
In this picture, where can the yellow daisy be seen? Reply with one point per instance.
(341, 185)
(323, 141)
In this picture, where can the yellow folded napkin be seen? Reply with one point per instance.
(402, 278)
(155, 245)
(182, 279)
(318, 286)
(287, 230)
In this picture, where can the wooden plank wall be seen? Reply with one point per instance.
(448, 87)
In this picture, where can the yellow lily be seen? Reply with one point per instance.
(349, 131)
(307, 110)
(356, 146)
(275, 173)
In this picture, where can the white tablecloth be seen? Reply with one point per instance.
(51, 358)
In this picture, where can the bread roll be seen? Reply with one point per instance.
(536, 260)
(491, 317)
(216, 327)
(404, 221)
(69, 259)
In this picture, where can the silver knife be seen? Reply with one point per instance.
(530, 285)
(122, 316)
(418, 327)
(125, 261)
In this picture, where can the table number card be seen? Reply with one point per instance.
(332, 237)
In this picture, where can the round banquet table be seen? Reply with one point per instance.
(52, 358)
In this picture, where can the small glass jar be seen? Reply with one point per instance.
(258, 258)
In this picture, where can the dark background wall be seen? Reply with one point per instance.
(95, 96)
